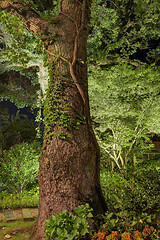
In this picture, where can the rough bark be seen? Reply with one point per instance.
(70, 162)
(69, 169)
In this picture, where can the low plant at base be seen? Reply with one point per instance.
(21, 200)
(148, 232)
(66, 226)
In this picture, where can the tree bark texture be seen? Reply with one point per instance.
(69, 167)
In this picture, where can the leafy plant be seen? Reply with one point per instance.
(135, 192)
(148, 232)
(68, 226)
(20, 200)
(19, 166)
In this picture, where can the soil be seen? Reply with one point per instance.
(18, 230)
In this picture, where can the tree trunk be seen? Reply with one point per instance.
(69, 165)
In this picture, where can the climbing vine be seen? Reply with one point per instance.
(56, 106)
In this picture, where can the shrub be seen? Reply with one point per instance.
(19, 166)
(143, 194)
(136, 192)
(20, 200)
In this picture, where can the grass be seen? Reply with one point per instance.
(18, 230)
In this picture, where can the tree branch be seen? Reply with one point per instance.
(31, 20)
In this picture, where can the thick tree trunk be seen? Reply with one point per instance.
(69, 165)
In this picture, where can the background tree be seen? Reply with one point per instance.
(123, 50)
(125, 31)
(69, 165)
(125, 110)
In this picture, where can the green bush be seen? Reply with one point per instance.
(66, 226)
(21, 200)
(19, 166)
(143, 194)
(135, 192)
(133, 201)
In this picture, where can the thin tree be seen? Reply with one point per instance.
(70, 161)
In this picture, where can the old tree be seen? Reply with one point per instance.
(69, 164)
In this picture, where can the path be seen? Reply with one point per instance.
(27, 214)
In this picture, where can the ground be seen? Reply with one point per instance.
(21, 227)
(17, 230)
